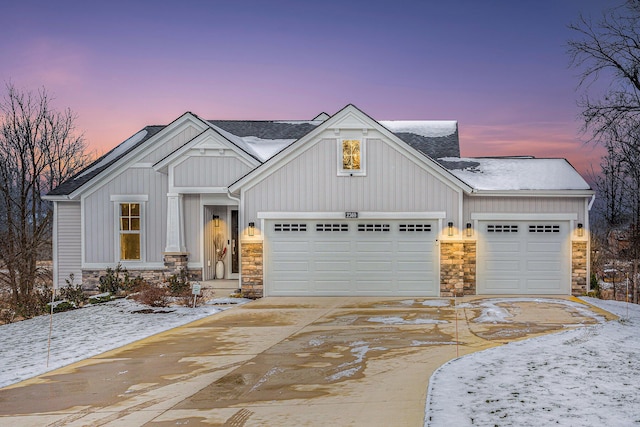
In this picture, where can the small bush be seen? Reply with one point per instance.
(34, 304)
(60, 306)
(133, 285)
(72, 293)
(112, 281)
(100, 298)
(154, 296)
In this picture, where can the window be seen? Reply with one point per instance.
(130, 231)
(374, 227)
(544, 229)
(332, 227)
(414, 227)
(289, 227)
(502, 228)
(350, 157)
(351, 154)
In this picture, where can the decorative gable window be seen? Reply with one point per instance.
(351, 157)
(130, 237)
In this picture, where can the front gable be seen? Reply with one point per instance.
(309, 176)
(207, 163)
(349, 123)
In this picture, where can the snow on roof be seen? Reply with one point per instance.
(515, 173)
(427, 128)
(264, 149)
(261, 149)
(116, 152)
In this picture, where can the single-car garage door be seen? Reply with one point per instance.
(351, 257)
(520, 257)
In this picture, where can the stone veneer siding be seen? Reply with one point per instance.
(174, 263)
(579, 278)
(457, 268)
(252, 285)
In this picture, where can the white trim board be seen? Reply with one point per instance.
(524, 216)
(361, 215)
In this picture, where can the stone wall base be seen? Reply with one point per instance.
(579, 279)
(457, 268)
(252, 284)
(174, 265)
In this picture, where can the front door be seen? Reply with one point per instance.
(235, 255)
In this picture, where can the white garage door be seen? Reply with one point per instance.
(351, 257)
(519, 257)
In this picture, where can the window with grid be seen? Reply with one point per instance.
(130, 231)
(351, 157)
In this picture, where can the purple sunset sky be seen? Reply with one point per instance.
(498, 67)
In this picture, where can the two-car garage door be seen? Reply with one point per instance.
(400, 257)
(351, 257)
(523, 257)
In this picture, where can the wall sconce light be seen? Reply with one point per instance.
(450, 228)
(216, 221)
(252, 228)
(469, 230)
(580, 230)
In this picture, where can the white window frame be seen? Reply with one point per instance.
(363, 158)
(141, 200)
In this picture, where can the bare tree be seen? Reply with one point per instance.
(39, 149)
(609, 51)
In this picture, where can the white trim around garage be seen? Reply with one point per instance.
(361, 215)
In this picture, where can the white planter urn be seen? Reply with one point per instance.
(219, 270)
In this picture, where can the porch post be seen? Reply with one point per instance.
(175, 224)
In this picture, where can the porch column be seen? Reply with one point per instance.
(175, 224)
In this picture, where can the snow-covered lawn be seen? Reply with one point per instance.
(584, 377)
(79, 334)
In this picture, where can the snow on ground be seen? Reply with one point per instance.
(80, 334)
(583, 377)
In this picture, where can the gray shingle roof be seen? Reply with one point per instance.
(79, 179)
(434, 147)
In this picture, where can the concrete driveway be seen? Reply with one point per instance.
(311, 361)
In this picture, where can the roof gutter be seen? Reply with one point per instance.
(593, 199)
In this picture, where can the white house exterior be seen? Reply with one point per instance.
(339, 205)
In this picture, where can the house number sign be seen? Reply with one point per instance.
(351, 214)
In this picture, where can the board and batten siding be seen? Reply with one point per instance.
(99, 215)
(310, 183)
(209, 171)
(168, 146)
(192, 226)
(524, 205)
(68, 241)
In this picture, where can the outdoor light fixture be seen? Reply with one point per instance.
(469, 230)
(252, 228)
(450, 228)
(216, 221)
(580, 230)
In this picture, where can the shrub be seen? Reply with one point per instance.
(60, 306)
(35, 304)
(72, 293)
(117, 280)
(178, 283)
(111, 282)
(100, 298)
(154, 296)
